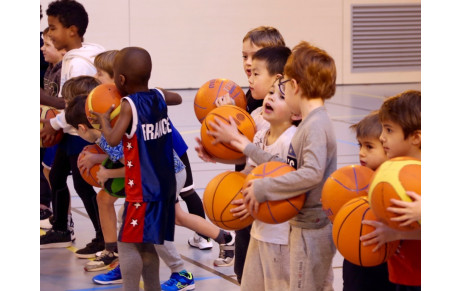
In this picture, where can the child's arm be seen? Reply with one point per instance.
(241, 211)
(383, 234)
(410, 211)
(104, 174)
(205, 156)
(223, 132)
(46, 99)
(115, 134)
(171, 98)
(89, 160)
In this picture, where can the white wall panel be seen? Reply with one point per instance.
(193, 41)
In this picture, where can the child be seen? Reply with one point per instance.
(309, 79)
(67, 21)
(371, 155)
(51, 87)
(400, 116)
(254, 40)
(75, 115)
(65, 163)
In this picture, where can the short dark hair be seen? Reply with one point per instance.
(75, 113)
(275, 57)
(69, 12)
(369, 126)
(405, 109)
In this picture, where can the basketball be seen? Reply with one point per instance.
(205, 98)
(243, 120)
(114, 186)
(391, 180)
(100, 99)
(217, 196)
(348, 228)
(90, 176)
(279, 211)
(47, 112)
(343, 185)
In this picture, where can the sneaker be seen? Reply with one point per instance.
(102, 262)
(226, 254)
(91, 249)
(199, 242)
(55, 239)
(45, 213)
(179, 281)
(47, 223)
(111, 277)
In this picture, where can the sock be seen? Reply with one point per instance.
(111, 247)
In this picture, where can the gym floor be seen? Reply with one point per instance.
(61, 270)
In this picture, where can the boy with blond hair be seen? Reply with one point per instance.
(400, 117)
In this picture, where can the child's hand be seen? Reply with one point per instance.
(47, 132)
(410, 211)
(240, 211)
(102, 175)
(381, 235)
(202, 153)
(86, 162)
(101, 118)
(250, 199)
(228, 133)
(225, 100)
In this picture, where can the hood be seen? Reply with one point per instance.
(87, 51)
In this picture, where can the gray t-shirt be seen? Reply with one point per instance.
(313, 152)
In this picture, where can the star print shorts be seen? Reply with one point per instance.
(148, 222)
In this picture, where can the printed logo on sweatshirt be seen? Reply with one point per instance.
(291, 157)
(157, 130)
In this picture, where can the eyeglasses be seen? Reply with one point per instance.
(282, 85)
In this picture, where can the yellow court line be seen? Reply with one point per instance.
(367, 95)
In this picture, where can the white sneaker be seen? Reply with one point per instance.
(197, 241)
(226, 253)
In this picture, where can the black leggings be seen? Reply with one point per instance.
(63, 166)
(191, 198)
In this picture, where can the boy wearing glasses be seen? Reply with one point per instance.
(309, 79)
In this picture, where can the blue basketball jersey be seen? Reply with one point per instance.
(150, 182)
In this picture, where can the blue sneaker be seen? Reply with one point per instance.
(111, 277)
(179, 281)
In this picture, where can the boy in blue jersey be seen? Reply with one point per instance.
(150, 184)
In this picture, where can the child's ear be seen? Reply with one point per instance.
(417, 138)
(73, 30)
(82, 128)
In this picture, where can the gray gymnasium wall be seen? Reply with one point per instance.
(192, 42)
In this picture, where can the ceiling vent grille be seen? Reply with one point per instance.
(386, 37)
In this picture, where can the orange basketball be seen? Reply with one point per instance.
(344, 184)
(244, 121)
(348, 228)
(281, 210)
(90, 176)
(217, 196)
(391, 180)
(47, 112)
(205, 98)
(100, 99)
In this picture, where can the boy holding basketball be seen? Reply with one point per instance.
(67, 21)
(400, 117)
(309, 79)
(371, 155)
(254, 40)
